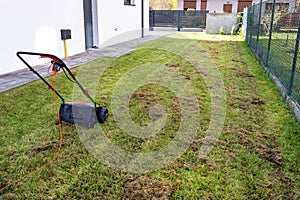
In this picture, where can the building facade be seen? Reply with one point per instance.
(35, 25)
(217, 6)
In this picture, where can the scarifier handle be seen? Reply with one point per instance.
(61, 64)
(32, 69)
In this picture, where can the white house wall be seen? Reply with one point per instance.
(34, 25)
(119, 22)
(217, 5)
(198, 5)
(180, 4)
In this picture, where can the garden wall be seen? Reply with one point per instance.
(215, 21)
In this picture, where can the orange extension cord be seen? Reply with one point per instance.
(58, 150)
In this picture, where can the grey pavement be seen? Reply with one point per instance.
(21, 77)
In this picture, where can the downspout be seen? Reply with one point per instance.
(95, 24)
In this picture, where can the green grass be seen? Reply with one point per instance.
(280, 63)
(255, 157)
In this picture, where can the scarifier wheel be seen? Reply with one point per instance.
(102, 114)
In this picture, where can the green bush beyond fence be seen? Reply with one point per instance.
(273, 36)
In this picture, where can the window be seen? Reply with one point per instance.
(129, 2)
(243, 4)
(227, 8)
(203, 4)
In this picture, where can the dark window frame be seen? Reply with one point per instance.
(129, 2)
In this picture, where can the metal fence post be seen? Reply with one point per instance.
(151, 25)
(270, 34)
(294, 60)
(251, 16)
(258, 29)
(248, 24)
(178, 20)
(142, 18)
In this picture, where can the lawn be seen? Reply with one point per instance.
(159, 87)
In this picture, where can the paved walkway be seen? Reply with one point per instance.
(21, 77)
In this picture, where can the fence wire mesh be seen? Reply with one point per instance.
(272, 28)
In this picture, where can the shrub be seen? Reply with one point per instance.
(221, 31)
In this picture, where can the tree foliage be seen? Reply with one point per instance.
(163, 4)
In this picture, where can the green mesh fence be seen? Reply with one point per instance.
(272, 28)
(295, 90)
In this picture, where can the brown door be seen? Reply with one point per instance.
(243, 4)
(227, 8)
(203, 4)
(189, 4)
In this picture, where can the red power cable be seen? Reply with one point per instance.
(58, 150)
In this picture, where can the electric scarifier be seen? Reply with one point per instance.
(81, 113)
